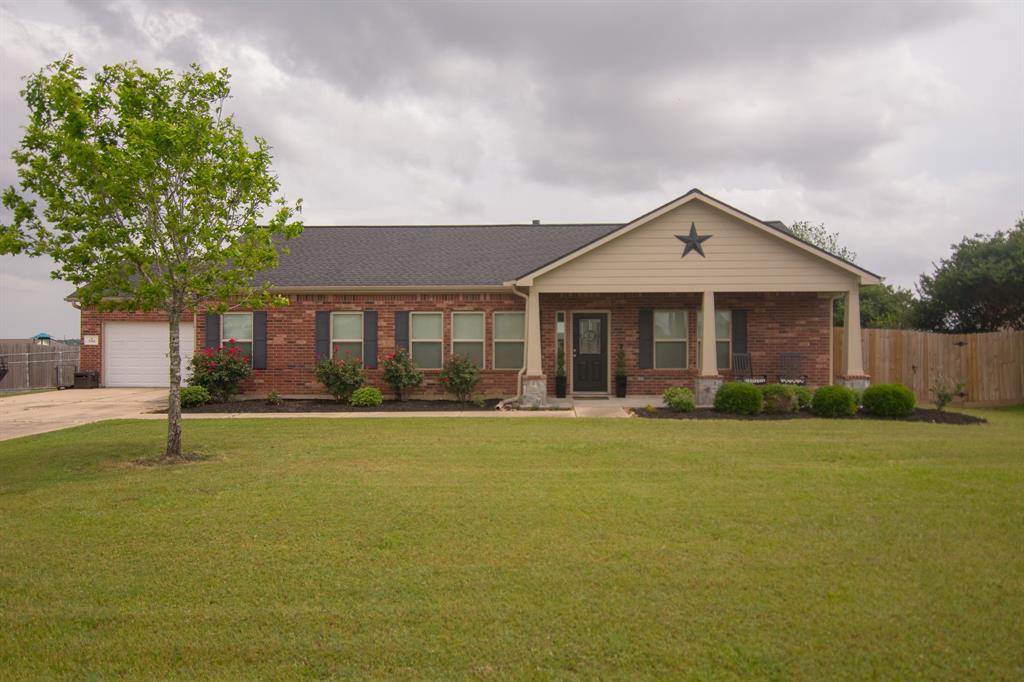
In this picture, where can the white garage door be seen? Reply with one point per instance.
(135, 353)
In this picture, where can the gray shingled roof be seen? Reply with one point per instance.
(434, 255)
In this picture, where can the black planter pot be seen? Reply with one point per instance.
(559, 387)
(620, 387)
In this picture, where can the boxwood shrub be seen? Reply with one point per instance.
(803, 397)
(194, 396)
(888, 400)
(779, 398)
(679, 399)
(737, 397)
(367, 396)
(834, 401)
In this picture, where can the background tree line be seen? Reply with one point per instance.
(978, 288)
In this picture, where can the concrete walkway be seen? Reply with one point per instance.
(24, 415)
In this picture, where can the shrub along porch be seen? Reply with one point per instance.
(509, 296)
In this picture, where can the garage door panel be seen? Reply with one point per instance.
(135, 353)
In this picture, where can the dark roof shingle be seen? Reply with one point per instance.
(433, 255)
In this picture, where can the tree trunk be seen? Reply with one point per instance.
(173, 450)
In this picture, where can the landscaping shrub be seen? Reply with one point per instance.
(779, 398)
(834, 401)
(273, 398)
(737, 397)
(460, 376)
(944, 393)
(400, 374)
(679, 399)
(194, 396)
(219, 371)
(888, 400)
(340, 378)
(803, 397)
(367, 396)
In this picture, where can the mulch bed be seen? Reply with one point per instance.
(920, 415)
(262, 406)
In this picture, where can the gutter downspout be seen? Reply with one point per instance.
(526, 321)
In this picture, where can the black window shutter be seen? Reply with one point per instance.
(402, 329)
(212, 330)
(370, 339)
(323, 335)
(646, 325)
(739, 331)
(259, 339)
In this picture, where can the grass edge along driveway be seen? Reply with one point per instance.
(527, 548)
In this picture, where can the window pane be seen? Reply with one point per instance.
(348, 350)
(508, 326)
(723, 324)
(670, 354)
(474, 350)
(426, 326)
(427, 355)
(508, 355)
(590, 339)
(722, 348)
(670, 324)
(347, 326)
(468, 326)
(238, 326)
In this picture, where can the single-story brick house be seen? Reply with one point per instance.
(509, 295)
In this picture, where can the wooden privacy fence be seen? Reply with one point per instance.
(991, 365)
(31, 365)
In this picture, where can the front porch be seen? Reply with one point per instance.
(663, 342)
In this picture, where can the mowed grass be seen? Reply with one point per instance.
(516, 548)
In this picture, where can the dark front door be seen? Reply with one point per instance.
(590, 352)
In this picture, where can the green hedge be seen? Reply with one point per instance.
(888, 400)
(834, 401)
(194, 396)
(737, 397)
(679, 399)
(779, 398)
(804, 397)
(367, 396)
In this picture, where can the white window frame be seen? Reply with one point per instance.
(483, 332)
(360, 341)
(413, 341)
(728, 339)
(685, 340)
(252, 325)
(495, 340)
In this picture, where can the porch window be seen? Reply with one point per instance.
(237, 326)
(347, 335)
(427, 340)
(723, 337)
(509, 340)
(671, 334)
(468, 336)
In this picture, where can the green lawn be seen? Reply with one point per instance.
(517, 548)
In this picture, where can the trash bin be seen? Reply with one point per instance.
(90, 379)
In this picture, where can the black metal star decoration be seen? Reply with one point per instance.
(693, 241)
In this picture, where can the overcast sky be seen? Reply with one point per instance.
(899, 125)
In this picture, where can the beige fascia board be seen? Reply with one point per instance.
(865, 277)
(491, 288)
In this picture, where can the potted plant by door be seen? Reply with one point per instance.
(560, 373)
(620, 374)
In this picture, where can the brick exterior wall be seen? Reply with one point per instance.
(776, 323)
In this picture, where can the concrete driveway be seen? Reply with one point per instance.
(24, 415)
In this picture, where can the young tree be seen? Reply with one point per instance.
(882, 306)
(151, 198)
(979, 288)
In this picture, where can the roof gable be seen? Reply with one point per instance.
(773, 228)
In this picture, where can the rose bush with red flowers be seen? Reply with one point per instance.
(400, 374)
(342, 377)
(460, 376)
(219, 370)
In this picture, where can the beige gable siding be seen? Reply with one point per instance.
(740, 257)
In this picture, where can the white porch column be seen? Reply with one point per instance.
(706, 385)
(853, 355)
(534, 391)
(709, 353)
